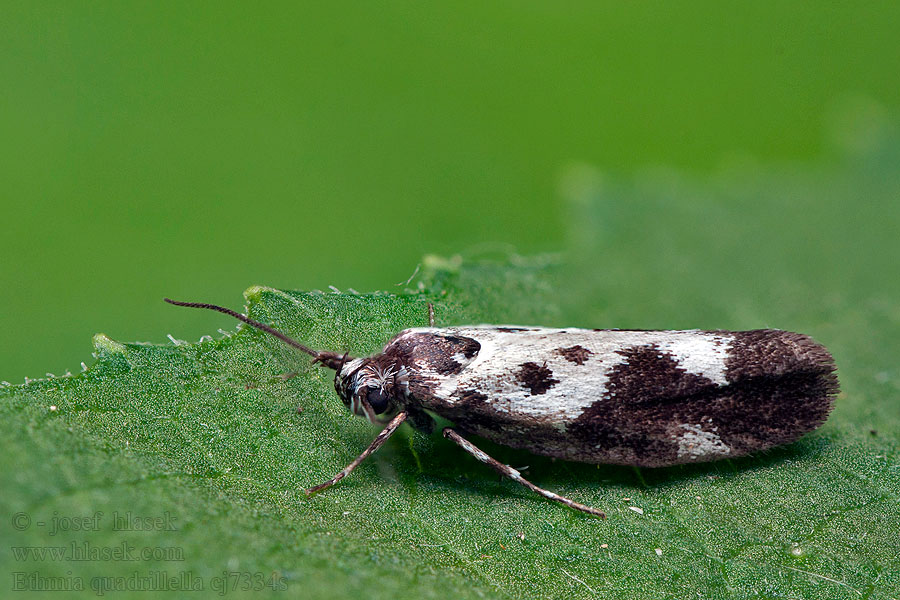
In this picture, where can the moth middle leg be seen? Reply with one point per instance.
(513, 474)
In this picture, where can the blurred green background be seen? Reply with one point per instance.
(193, 149)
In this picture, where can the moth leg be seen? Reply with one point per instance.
(515, 475)
(380, 439)
(430, 314)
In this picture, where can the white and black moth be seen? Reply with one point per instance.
(626, 397)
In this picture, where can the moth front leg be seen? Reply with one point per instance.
(380, 439)
(513, 474)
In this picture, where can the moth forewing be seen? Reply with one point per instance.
(642, 398)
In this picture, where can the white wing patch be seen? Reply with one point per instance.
(496, 371)
(700, 353)
(696, 443)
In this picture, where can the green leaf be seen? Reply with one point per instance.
(210, 444)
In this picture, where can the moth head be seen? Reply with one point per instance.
(370, 388)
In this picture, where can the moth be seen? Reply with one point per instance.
(627, 397)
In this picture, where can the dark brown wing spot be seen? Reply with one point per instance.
(467, 346)
(435, 351)
(447, 366)
(537, 378)
(575, 354)
(767, 352)
(645, 395)
(650, 375)
(471, 397)
(650, 396)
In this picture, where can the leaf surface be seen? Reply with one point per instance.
(208, 445)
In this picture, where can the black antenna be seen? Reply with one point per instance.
(318, 355)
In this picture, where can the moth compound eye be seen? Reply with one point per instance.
(378, 400)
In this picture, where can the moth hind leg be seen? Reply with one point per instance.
(513, 474)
